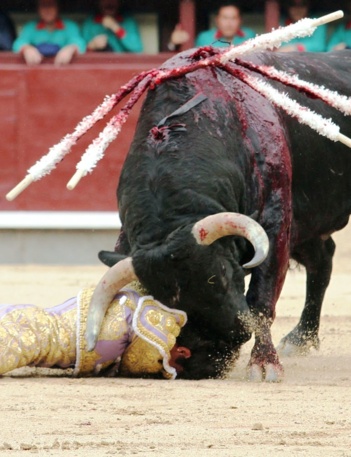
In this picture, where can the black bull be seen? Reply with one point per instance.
(235, 152)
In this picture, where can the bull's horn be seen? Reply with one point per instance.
(113, 280)
(209, 229)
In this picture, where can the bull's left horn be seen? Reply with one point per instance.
(113, 280)
(213, 227)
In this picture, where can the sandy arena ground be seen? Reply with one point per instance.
(308, 414)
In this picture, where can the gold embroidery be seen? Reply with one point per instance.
(140, 358)
(114, 327)
(135, 285)
(32, 336)
(147, 352)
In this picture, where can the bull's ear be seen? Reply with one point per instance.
(110, 258)
(254, 216)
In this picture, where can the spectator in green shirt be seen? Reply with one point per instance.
(49, 36)
(299, 9)
(341, 37)
(111, 31)
(228, 30)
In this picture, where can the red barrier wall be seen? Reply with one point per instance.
(38, 106)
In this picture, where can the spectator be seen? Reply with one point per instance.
(299, 9)
(228, 30)
(179, 36)
(111, 31)
(49, 36)
(341, 38)
(7, 32)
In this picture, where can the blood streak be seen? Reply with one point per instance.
(203, 234)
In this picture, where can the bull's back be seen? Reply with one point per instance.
(213, 146)
(321, 168)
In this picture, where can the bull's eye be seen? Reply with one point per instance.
(224, 279)
(223, 270)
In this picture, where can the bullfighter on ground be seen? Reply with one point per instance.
(138, 337)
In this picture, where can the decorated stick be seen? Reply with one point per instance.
(332, 98)
(21, 186)
(274, 39)
(57, 152)
(345, 140)
(97, 148)
(304, 115)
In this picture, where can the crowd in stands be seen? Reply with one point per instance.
(52, 36)
(109, 29)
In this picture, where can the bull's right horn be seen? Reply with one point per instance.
(211, 228)
(118, 276)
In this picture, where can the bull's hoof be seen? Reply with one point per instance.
(264, 363)
(271, 372)
(291, 346)
(254, 373)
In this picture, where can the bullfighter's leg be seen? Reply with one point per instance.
(33, 336)
(265, 287)
(317, 258)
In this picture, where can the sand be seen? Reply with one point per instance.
(45, 412)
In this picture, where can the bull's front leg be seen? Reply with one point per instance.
(317, 256)
(264, 290)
